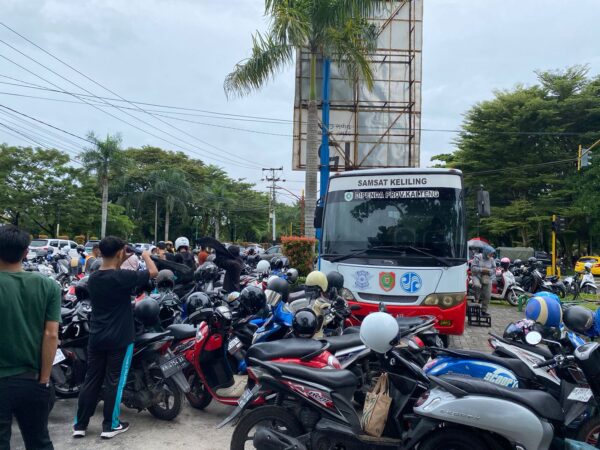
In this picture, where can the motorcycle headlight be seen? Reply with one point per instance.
(346, 294)
(444, 301)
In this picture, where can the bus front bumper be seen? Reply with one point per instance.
(449, 321)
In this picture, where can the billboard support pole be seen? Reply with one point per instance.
(325, 129)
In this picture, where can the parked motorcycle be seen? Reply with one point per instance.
(581, 282)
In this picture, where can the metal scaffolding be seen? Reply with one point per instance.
(381, 127)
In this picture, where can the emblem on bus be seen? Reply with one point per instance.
(411, 282)
(387, 281)
(361, 279)
(349, 196)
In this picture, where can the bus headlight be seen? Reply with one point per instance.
(347, 294)
(444, 301)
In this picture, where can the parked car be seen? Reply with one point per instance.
(89, 245)
(55, 244)
(271, 252)
(143, 246)
(595, 260)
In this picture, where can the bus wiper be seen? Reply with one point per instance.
(400, 248)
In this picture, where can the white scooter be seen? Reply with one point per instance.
(582, 282)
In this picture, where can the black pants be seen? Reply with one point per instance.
(108, 368)
(28, 401)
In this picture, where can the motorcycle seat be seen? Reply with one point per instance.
(520, 369)
(331, 378)
(540, 402)
(148, 338)
(406, 323)
(342, 342)
(284, 348)
(352, 330)
(296, 296)
(182, 331)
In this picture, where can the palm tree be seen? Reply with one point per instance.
(106, 161)
(335, 29)
(172, 186)
(219, 197)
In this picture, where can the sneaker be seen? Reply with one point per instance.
(78, 432)
(122, 428)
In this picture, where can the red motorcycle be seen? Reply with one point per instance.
(216, 349)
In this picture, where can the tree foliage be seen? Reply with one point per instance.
(522, 147)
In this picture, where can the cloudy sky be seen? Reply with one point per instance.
(177, 53)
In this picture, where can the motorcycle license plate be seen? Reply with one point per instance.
(580, 395)
(173, 366)
(234, 345)
(58, 357)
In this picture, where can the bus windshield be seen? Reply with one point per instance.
(407, 223)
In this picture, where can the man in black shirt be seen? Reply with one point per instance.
(112, 333)
(228, 259)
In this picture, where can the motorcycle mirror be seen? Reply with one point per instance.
(533, 338)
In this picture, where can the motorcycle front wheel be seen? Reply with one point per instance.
(512, 298)
(272, 417)
(590, 432)
(169, 396)
(198, 397)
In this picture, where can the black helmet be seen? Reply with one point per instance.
(280, 286)
(276, 263)
(532, 261)
(292, 275)
(207, 272)
(517, 262)
(578, 319)
(80, 249)
(335, 280)
(253, 299)
(162, 245)
(197, 301)
(81, 289)
(165, 279)
(147, 311)
(516, 331)
(305, 323)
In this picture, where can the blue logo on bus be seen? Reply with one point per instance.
(361, 278)
(411, 282)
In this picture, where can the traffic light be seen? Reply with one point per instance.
(560, 224)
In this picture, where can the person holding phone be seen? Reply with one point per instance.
(112, 332)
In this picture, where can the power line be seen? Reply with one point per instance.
(112, 115)
(107, 89)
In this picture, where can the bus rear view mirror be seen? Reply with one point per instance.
(483, 203)
(318, 221)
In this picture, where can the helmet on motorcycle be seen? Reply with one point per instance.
(292, 275)
(197, 301)
(232, 297)
(578, 319)
(263, 267)
(181, 242)
(587, 267)
(305, 323)
(223, 316)
(544, 310)
(379, 331)
(165, 279)
(285, 263)
(335, 280)
(516, 331)
(505, 263)
(518, 262)
(550, 295)
(280, 286)
(81, 289)
(317, 279)
(253, 299)
(276, 263)
(207, 272)
(531, 261)
(147, 311)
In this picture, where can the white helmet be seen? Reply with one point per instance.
(263, 267)
(378, 331)
(588, 266)
(181, 242)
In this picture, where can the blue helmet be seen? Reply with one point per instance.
(544, 310)
(548, 295)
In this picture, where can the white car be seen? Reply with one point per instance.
(55, 244)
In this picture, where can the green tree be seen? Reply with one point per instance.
(170, 185)
(328, 29)
(106, 161)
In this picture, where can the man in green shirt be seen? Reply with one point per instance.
(29, 317)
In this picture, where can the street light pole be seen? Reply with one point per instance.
(273, 179)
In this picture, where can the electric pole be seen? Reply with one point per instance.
(272, 178)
